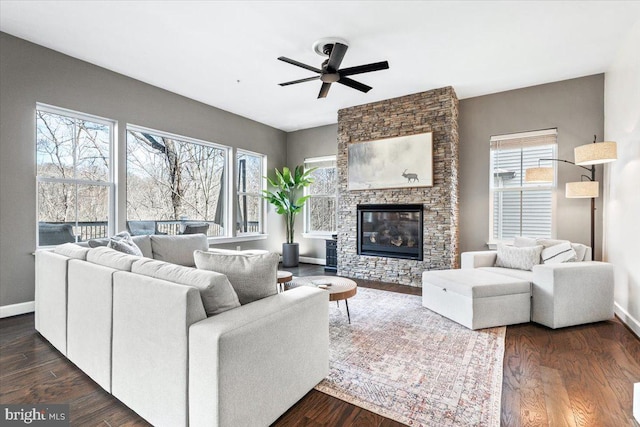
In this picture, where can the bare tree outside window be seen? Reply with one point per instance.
(321, 206)
(73, 175)
(173, 181)
(250, 185)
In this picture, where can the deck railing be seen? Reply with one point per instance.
(97, 229)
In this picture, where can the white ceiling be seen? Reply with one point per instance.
(224, 53)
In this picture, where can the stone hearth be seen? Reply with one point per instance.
(432, 111)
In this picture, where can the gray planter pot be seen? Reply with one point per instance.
(290, 254)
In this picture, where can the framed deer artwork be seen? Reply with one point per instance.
(401, 162)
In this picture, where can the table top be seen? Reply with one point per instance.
(284, 276)
(339, 288)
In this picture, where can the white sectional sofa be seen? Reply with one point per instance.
(556, 295)
(140, 328)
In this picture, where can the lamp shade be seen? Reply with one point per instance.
(582, 189)
(538, 175)
(595, 153)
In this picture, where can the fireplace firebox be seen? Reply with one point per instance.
(390, 230)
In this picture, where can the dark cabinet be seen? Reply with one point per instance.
(332, 255)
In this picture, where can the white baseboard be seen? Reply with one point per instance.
(636, 401)
(309, 260)
(627, 319)
(16, 309)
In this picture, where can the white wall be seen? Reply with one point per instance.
(622, 178)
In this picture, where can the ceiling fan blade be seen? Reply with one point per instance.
(376, 66)
(337, 54)
(354, 84)
(308, 79)
(300, 64)
(324, 90)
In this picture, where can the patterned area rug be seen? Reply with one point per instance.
(405, 362)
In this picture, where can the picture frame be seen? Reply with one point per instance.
(400, 162)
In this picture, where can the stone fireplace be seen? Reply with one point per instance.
(432, 111)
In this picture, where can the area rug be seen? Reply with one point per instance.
(405, 362)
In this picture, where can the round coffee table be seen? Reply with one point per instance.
(339, 288)
(283, 277)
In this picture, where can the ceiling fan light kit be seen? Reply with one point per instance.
(330, 72)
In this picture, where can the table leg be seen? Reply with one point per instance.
(346, 302)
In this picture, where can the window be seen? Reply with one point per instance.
(249, 172)
(175, 183)
(74, 169)
(320, 209)
(519, 208)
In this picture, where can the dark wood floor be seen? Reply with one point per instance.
(578, 376)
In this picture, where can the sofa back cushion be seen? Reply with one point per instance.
(111, 258)
(520, 258)
(178, 249)
(252, 276)
(215, 290)
(72, 250)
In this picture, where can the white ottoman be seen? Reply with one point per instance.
(477, 299)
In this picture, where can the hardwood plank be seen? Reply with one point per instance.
(557, 401)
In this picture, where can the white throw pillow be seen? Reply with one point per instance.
(519, 258)
(253, 277)
(215, 290)
(558, 253)
(581, 251)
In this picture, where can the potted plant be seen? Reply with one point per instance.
(285, 196)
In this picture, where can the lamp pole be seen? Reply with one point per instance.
(591, 169)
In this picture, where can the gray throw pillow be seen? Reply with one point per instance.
(253, 277)
(122, 242)
(518, 258)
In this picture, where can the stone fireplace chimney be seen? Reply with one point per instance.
(432, 111)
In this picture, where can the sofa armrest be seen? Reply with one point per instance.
(478, 259)
(572, 293)
(248, 365)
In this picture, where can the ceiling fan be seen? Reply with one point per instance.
(330, 71)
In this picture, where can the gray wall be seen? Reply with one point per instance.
(30, 73)
(575, 107)
(303, 144)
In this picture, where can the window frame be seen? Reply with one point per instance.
(492, 241)
(263, 186)
(315, 234)
(110, 183)
(228, 165)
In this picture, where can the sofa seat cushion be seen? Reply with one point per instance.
(72, 250)
(511, 272)
(476, 283)
(111, 258)
(178, 249)
(215, 290)
(252, 276)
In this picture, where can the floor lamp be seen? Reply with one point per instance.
(588, 154)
